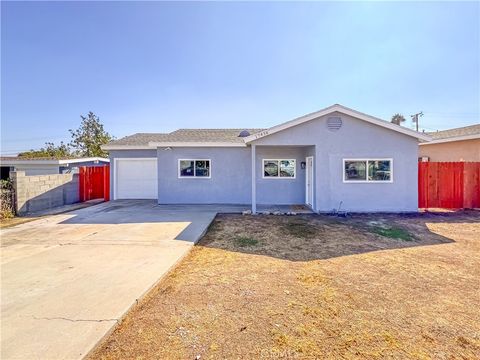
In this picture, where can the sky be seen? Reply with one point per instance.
(159, 66)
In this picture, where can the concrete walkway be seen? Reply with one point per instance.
(67, 279)
(238, 209)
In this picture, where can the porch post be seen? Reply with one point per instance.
(254, 182)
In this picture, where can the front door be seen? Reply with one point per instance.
(309, 182)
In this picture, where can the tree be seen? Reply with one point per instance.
(90, 136)
(398, 119)
(49, 151)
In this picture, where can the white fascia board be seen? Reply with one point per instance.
(196, 144)
(74, 161)
(343, 110)
(28, 162)
(127, 147)
(456, 138)
(50, 161)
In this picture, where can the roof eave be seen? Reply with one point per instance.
(126, 147)
(29, 162)
(73, 161)
(54, 162)
(196, 144)
(451, 139)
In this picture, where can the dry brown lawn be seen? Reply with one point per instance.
(316, 287)
(14, 221)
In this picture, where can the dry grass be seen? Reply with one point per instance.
(316, 287)
(13, 221)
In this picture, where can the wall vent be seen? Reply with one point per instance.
(334, 123)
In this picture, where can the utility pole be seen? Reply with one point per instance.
(415, 117)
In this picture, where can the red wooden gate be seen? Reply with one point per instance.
(94, 183)
(451, 185)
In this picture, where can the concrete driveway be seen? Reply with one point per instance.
(67, 279)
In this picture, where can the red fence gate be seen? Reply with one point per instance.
(451, 185)
(94, 183)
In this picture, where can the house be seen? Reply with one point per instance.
(332, 156)
(459, 144)
(45, 166)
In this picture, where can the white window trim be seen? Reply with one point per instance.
(195, 176)
(345, 181)
(279, 177)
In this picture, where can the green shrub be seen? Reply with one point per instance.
(6, 184)
(393, 233)
(243, 241)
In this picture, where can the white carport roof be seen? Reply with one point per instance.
(12, 161)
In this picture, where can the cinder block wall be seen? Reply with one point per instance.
(42, 192)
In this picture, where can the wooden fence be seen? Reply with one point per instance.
(94, 183)
(452, 185)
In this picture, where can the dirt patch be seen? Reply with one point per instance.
(299, 228)
(336, 290)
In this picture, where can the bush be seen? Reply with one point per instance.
(6, 184)
(6, 214)
(7, 199)
(243, 241)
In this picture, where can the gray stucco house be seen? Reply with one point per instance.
(320, 159)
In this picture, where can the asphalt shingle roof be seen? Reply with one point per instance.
(185, 135)
(462, 131)
(139, 139)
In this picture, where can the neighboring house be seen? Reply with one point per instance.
(321, 159)
(460, 144)
(44, 166)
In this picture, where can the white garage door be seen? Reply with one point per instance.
(136, 179)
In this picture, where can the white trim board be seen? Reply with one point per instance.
(127, 147)
(13, 162)
(196, 144)
(343, 110)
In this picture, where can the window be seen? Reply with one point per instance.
(279, 169)
(194, 168)
(379, 170)
(369, 170)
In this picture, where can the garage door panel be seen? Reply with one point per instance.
(136, 179)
